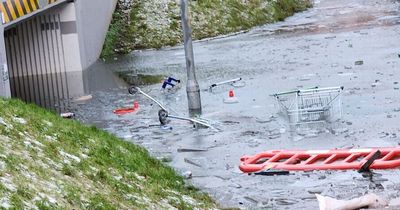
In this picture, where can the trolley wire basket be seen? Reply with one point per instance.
(313, 105)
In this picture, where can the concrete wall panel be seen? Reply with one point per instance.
(93, 22)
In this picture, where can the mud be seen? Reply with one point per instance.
(323, 46)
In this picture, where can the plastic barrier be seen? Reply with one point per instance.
(307, 160)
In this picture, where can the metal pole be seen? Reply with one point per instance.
(192, 87)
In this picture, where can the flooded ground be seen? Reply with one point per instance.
(350, 43)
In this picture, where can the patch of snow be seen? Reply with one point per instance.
(8, 184)
(2, 122)
(73, 157)
(19, 120)
(5, 203)
(50, 138)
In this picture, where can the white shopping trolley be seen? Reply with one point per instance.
(313, 105)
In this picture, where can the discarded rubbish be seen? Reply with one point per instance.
(191, 150)
(366, 201)
(83, 98)
(68, 115)
(122, 111)
(272, 172)
(191, 162)
(233, 82)
(170, 84)
(314, 105)
(231, 98)
(163, 114)
(187, 174)
(307, 160)
(367, 164)
(359, 63)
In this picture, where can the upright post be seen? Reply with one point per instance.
(192, 87)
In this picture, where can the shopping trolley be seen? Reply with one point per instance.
(313, 105)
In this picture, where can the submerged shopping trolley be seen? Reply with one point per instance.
(313, 105)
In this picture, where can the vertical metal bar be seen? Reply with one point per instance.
(20, 68)
(25, 73)
(56, 29)
(37, 29)
(63, 58)
(48, 55)
(15, 63)
(42, 44)
(38, 70)
(55, 72)
(28, 66)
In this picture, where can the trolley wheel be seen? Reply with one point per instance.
(162, 117)
(133, 90)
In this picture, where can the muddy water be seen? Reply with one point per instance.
(319, 47)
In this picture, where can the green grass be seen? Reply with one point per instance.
(157, 26)
(53, 163)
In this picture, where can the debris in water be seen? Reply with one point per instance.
(272, 172)
(359, 63)
(83, 98)
(191, 150)
(187, 174)
(67, 115)
(366, 201)
(191, 162)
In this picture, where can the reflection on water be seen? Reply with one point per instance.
(55, 91)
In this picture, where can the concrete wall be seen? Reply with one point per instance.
(72, 47)
(4, 78)
(93, 21)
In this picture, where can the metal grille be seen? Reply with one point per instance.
(36, 61)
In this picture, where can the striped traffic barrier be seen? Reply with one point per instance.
(14, 9)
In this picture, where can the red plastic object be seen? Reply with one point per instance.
(122, 111)
(231, 94)
(307, 160)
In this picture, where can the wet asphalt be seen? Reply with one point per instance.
(324, 47)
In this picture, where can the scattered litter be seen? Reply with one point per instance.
(191, 150)
(191, 162)
(359, 63)
(83, 98)
(366, 201)
(122, 111)
(231, 98)
(233, 82)
(171, 84)
(187, 174)
(272, 172)
(306, 160)
(68, 115)
(366, 165)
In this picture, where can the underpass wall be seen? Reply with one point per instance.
(92, 25)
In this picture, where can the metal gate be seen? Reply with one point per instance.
(36, 62)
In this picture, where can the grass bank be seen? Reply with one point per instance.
(155, 24)
(47, 162)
